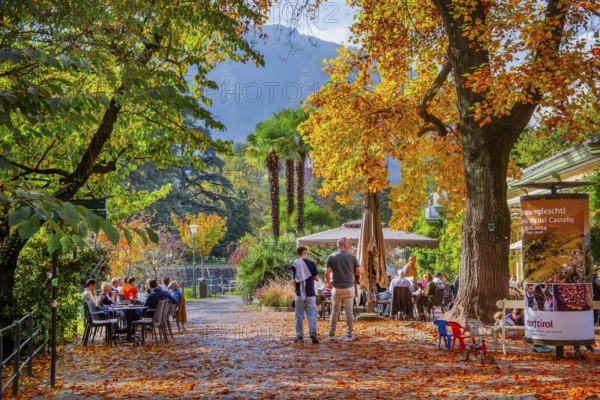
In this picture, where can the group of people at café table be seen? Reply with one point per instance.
(107, 299)
(422, 292)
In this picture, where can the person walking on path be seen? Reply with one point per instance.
(344, 267)
(410, 269)
(304, 274)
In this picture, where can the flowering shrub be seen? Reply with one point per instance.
(276, 294)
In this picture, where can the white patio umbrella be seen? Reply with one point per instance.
(351, 231)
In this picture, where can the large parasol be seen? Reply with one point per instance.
(371, 246)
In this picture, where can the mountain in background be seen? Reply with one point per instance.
(293, 70)
(248, 94)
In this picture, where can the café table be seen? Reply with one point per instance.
(129, 311)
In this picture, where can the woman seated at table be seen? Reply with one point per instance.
(89, 293)
(107, 297)
(423, 302)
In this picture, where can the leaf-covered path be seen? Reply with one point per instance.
(231, 351)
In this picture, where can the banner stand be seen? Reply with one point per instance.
(557, 267)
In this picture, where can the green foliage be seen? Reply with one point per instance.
(444, 259)
(534, 146)
(68, 222)
(239, 223)
(315, 216)
(594, 192)
(427, 259)
(33, 288)
(450, 246)
(344, 213)
(250, 179)
(267, 260)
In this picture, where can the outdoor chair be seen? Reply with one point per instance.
(436, 301)
(443, 333)
(459, 333)
(360, 301)
(155, 322)
(97, 319)
(401, 303)
(171, 313)
(380, 305)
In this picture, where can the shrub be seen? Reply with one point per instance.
(268, 259)
(33, 287)
(276, 293)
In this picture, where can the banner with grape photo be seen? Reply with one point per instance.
(557, 266)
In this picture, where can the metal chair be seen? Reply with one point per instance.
(97, 319)
(155, 322)
(436, 301)
(171, 312)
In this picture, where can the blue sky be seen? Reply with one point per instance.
(329, 23)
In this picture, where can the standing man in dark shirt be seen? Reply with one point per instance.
(345, 267)
(304, 275)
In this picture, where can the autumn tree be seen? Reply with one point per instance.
(447, 87)
(92, 88)
(137, 256)
(211, 229)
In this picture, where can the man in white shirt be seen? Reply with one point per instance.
(402, 282)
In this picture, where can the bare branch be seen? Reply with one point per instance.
(436, 124)
(30, 170)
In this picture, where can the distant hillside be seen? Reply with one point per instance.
(248, 95)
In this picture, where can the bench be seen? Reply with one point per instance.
(508, 305)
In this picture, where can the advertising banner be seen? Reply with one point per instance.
(557, 266)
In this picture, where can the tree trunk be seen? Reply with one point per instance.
(272, 162)
(483, 276)
(289, 187)
(10, 248)
(300, 193)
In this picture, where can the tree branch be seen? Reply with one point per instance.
(88, 163)
(556, 15)
(30, 170)
(424, 113)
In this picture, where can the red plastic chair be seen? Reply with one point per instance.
(458, 333)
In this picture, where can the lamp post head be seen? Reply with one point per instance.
(193, 229)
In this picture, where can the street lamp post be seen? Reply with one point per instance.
(193, 229)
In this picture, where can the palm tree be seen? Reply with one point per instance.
(293, 117)
(265, 143)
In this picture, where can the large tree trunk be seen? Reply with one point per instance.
(483, 276)
(289, 187)
(272, 162)
(300, 193)
(10, 248)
